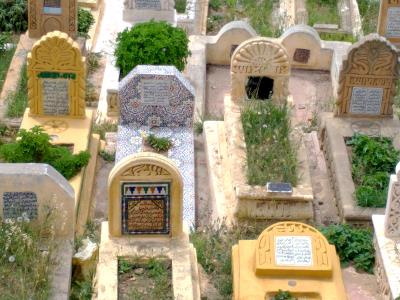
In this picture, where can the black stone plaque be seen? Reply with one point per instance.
(15, 204)
(301, 55)
(279, 187)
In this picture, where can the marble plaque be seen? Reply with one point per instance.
(148, 4)
(155, 92)
(301, 55)
(55, 96)
(145, 208)
(293, 251)
(393, 22)
(366, 100)
(279, 187)
(15, 204)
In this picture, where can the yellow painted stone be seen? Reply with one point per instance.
(56, 77)
(288, 256)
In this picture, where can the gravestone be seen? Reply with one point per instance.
(367, 81)
(28, 191)
(56, 77)
(146, 10)
(45, 16)
(288, 256)
(389, 20)
(260, 57)
(156, 96)
(145, 196)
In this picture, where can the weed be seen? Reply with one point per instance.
(82, 289)
(106, 126)
(283, 295)
(338, 36)
(353, 245)
(369, 11)
(271, 156)
(322, 12)
(91, 93)
(18, 100)
(85, 21)
(93, 61)
(107, 156)
(5, 60)
(124, 266)
(160, 144)
(215, 4)
(180, 6)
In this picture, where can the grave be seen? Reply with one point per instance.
(288, 256)
(31, 191)
(389, 20)
(56, 77)
(56, 94)
(159, 100)
(367, 81)
(145, 10)
(145, 197)
(45, 16)
(387, 241)
(367, 86)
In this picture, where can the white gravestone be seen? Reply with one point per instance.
(293, 251)
(155, 92)
(393, 22)
(55, 96)
(366, 100)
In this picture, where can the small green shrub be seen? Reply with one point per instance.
(93, 61)
(353, 245)
(322, 12)
(110, 157)
(271, 155)
(369, 11)
(6, 56)
(5, 38)
(13, 15)
(283, 295)
(180, 6)
(18, 100)
(151, 43)
(338, 36)
(85, 21)
(34, 147)
(159, 144)
(373, 160)
(106, 126)
(215, 4)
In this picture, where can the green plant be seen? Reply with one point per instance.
(271, 155)
(214, 22)
(27, 258)
(124, 266)
(5, 60)
(18, 100)
(5, 37)
(369, 11)
(85, 21)
(160, 144)
(91, 92)
(103, 127)
(110, 157)
(322, 12)
(283, 295)
(34, 147)
(151, 43)
(13, 15)
(353, 245)
(373, 160)
(82, 289)
(180, 6)
(338, 36)
(93, 61)
(215, 4)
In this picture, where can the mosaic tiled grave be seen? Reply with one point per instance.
(15, 204)
(130, 141)
(156, 96)
(145, 208)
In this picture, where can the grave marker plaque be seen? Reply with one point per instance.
(366, 100)
(301, 55)
(393, 22)
(17, 203)
(293, 251)
(55, 96)
(148, 4)
(156, 92)
(145, 208)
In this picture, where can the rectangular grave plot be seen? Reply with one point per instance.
(145, 208)
(18, 204)
(55, 96)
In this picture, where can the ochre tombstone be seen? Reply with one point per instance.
(367, 81)
(260, 57)
(45, 16)
(389, 20)
(287, 256)
(56, 77)
(145, 196)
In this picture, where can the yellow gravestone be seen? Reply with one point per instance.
(288, 256)
(56, 77)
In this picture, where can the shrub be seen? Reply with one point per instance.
(271, 155)
(215, 4)
(34, 147)
(283, 295)
(151, 43)
(369, 11)
(13, 15)
(5, 38)
(373, 160)
(85, 21)
(180, 6)
(353, 245)
(159, 144)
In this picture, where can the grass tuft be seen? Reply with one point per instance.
(18, 100)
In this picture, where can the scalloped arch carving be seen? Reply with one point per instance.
(56, 53)
(260, 57)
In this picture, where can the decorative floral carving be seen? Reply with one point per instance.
(146, 170)
(392, 218)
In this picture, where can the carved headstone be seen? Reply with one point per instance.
(156, 96)
(45, 16)
(145, 196)
(56, 77)
(389, 20)
(392, 215)
(367, 82)
(260, 57)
